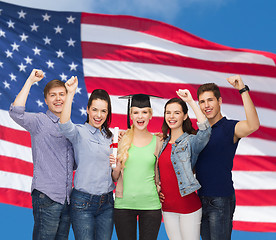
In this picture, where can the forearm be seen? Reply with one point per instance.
(66, 111)
(22, 96)
(198, 113)
(252, 118)
(115, 174)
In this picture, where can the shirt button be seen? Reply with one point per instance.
(174, 162)
(172, 152)
(184, 192)
(175, 144)
(180, 182)
(178, 173)
(182, 149)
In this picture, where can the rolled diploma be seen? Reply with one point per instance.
(115, 140)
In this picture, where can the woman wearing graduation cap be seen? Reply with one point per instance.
(181, 206)
(136, 190)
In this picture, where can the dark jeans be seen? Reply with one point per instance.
(217, 217)
(92, 215)
(126, 223)
(51, 219)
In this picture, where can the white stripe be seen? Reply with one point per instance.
(266, 116)
(169, 74)
(255, 214)
(256, 146)
(6, 120)
(15, 151)
(252, 180)
(130, 38)
(15, 181)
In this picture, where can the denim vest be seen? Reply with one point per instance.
(184, 155)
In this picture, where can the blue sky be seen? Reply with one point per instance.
(249, 24)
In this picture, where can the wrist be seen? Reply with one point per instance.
(244, 89)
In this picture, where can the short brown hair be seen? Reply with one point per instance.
(52, 84)
(209, 87)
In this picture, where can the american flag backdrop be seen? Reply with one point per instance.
(126, 55)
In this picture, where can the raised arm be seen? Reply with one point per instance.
(71, 86)
(35, 76)
(186, 96)
(252, 123)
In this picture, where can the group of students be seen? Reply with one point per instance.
(155, 174)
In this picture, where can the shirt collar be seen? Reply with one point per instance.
(93, 130)
(52, 116)
(219, 122)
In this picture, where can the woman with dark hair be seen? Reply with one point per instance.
(92, 203)
(181, 206)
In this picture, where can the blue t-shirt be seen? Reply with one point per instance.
(215, 162)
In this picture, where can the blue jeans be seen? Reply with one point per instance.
(217, 217)
(92, 215)
(51, 219)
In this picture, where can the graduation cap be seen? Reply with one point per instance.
(137, 100)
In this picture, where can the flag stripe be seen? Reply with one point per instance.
(15, 197)
(12, 150)
(15, 181)
(120, 87)
(254, 180)
(254, 226)
(92, 50)
(256, 197)
(170, 74)
(15, 165)
(125, 30)
(254, 163)
(265, 214)
(15, 136)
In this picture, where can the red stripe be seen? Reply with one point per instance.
(254, 163)
(120, 87)
(15, 165)
(159, 29)
(254, 226)
(15, 136)
(133, 54)
(15, 197)
(256, 197)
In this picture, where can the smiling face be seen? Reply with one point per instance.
(210, 106)
(140, 117)
(97, 112)
(55, 99)
(174, 116)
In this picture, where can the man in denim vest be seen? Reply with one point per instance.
(52, 159)
(215, 162)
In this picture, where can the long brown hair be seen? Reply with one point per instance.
(187, 123)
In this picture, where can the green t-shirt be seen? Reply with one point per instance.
(140, 191)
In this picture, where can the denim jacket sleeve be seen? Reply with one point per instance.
(200, 140)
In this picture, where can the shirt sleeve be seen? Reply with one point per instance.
(200, 140)
(27, 120)
(69, 130)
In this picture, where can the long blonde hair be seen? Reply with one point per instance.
(125, 143)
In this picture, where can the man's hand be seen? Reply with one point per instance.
(72, 84)
(236, 82)
(36, 75)
(185, 95)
